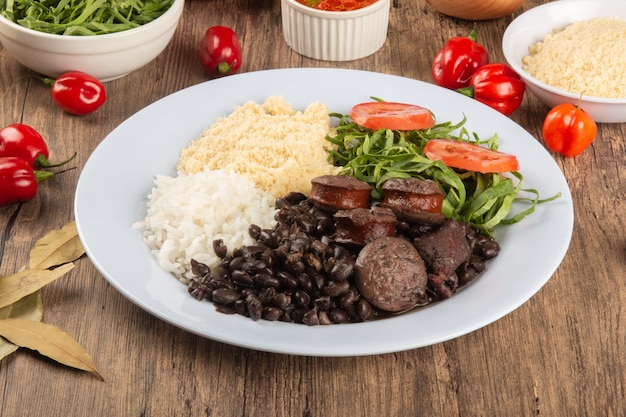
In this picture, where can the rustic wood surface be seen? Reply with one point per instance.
(561, 354)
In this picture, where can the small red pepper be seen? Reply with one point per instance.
(455, 63)
(498, 86)
(568, 129)
(77, 93)
(27, 143)
(18, 180)
(219, 52)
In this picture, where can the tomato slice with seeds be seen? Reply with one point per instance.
(470, 157)
(395, 116)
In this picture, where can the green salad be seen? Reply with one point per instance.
(83, 17)
(484, 200)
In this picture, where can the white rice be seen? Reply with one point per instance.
(186, 213)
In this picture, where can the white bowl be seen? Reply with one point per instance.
(335, 36)
(105, 57)
(533, 25)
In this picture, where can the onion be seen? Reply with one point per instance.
(476, 10)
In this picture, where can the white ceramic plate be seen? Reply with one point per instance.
(116, 179)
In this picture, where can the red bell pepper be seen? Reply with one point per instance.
(18, 180)
(455, 63)
(498, 86)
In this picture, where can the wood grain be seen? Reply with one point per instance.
(561, 354)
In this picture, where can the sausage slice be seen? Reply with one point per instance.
(339, 192)
(391, 274)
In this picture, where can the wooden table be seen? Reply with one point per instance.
(559, 354)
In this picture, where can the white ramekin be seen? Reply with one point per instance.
(335, 36)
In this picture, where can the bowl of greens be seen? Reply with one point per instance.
(107, 39)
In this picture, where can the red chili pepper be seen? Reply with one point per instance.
(455, 63)
(27, 143)
(77, 93)
(18, 180)
(498, 86)
(219, 52)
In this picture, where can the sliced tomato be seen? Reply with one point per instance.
(470, 157)
(395, 116)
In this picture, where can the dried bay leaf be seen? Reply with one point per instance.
(20, 284)
(56, 247)
(48, 340)
(29, 307)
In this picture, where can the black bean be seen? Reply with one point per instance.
(323, 303)
(236, 263)
(294, 198)
(336, 288)
(305, 282)
(312, 260)
(287, 280)
(254, 231)
(338, 316)
(266, 281)
(342, 268)
(271, 313)
(348, 298)
(220, 248)
(241, 307)
(477, 263)
(254, 266)
(255, 307)
(466, 274)
(323, 318)
(199, 269)
(301, 298)
(490, 249)
(296, 267)
(224, 296)
(240, 277)
(311, 318)
(364, 309)
(281, 300)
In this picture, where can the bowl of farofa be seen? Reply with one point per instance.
(106, 50)
(573, 51)
(332, 34)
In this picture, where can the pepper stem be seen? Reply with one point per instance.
(42, 162)
(41, 175)
(225, 67)
(466, 91)
(473, 35)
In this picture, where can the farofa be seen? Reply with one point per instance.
(278, 148)
(586, 57)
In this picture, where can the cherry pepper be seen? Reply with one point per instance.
(76, 92)
(27, 143)
(498, 86)
(458, 59)
(18, 180)
(219, 52)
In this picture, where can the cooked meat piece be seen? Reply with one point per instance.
(361, 226)
(414, 200)
(444, 250)
(391, 275)
(339, 192)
